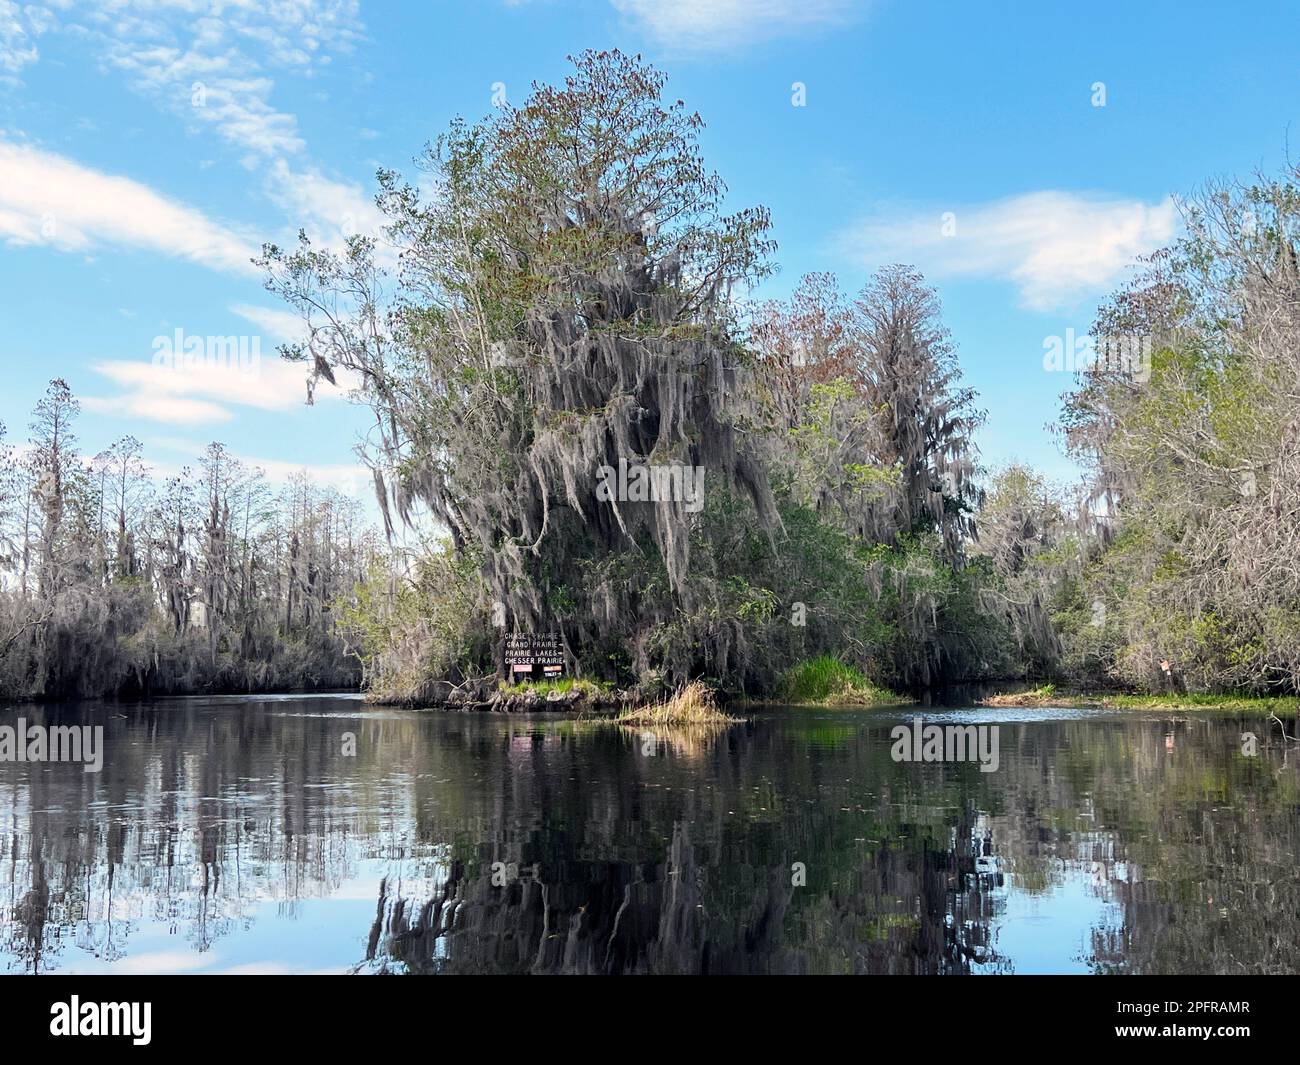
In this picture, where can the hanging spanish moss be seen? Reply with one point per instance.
(565, 305)
(610, 444)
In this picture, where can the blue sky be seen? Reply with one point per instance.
(148, 148)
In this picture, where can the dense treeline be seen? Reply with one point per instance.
(569, 303)
(1195, 461)
(1178, 570)
(116, 584)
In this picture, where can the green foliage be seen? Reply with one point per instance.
(1191, 585)
(415, 630)
(562, 685)
(826, 679)
(568, 306)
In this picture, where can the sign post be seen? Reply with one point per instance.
(530, 655)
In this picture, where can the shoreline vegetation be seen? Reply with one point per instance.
(823, 683)
(1048, 695)
(820, 682)
(800, 510)
(118, 582)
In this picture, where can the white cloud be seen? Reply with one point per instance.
(1055, 247)
(350, 478)
(278, 323)
(210, 61)
(158, 407)
(328, 210)
(177, 388)
(237, 107)
(199, 394)
(51, 200)
(19, 29)
(702, 24)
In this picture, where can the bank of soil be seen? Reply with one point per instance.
(482, 699)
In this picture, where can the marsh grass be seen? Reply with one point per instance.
(1050, 695)
(695, 704)
(1043, 695)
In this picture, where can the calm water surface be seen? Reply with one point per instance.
(235, 834)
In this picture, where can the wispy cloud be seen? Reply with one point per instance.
(717, 24)
(278, 323)
(1055, 247)
(350, 478)
(51, 200)
(215, 63)
(19, 28)
(200, 394)
(152, 406)
(231, 372)
(328, 210)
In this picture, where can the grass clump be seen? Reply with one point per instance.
(827, 681)
(565, 684)
(695, 704)
(1039, 696)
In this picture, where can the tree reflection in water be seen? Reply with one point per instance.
(509, 845)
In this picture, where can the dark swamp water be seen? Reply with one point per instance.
(234, 835)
